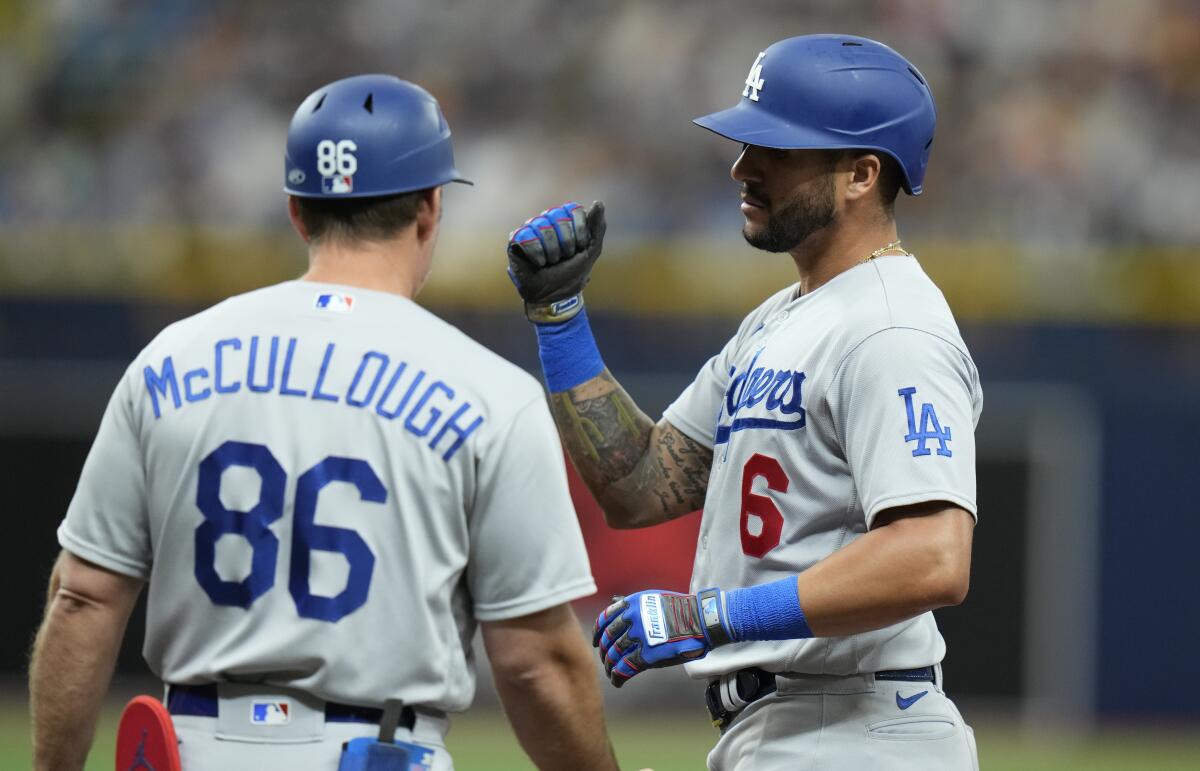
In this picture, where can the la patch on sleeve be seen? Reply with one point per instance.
(931, 427)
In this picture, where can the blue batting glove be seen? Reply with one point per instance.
(550, 258)
(656, 628)
(550, 237)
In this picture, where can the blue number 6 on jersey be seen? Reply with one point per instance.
(307, 536)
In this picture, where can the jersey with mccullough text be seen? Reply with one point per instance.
(824, 410)
(326, 488)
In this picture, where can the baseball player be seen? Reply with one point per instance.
(327, 489)
(829, 443)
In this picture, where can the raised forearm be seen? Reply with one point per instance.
(640, 473)
(604, 432)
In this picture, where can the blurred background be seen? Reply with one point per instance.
(141, 146)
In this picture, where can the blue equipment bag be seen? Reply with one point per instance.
(385, 753)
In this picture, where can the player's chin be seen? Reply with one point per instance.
(755, 233)
(761, 238)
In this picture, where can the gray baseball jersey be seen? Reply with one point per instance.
(326, 488)
(822, 411)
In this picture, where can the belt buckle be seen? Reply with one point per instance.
(728, 695)
(720, 716)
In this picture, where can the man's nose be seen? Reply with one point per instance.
(745, 168)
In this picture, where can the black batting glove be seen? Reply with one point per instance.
(550, 259)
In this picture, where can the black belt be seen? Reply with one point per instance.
(201, 701)
(753, 683)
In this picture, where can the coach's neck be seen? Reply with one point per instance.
(399, 265)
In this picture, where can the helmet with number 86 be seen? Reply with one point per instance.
(369, 135)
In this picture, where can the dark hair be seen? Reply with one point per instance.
(358, 219)
(889, 184)
(890, 178)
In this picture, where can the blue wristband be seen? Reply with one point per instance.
(767, 612)
(568, 352)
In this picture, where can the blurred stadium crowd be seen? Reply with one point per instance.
(1064, 127)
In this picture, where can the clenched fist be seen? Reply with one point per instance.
(550, 258)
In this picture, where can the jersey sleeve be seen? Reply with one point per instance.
(904, 405)
(107, 521)
(696, 410)
(527, 551)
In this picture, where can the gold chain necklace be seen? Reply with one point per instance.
(893, 245)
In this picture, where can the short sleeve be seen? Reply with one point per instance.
(696, 411)
(904, 405)
(527, 551)
(107, 521)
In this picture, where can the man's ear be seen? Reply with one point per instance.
(294, 216)
(864, 176)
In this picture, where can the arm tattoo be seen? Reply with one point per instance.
(654, 472)
(681, 466)
(603, 430)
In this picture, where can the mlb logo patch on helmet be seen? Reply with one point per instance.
(334, 302)
(339, 184)
(270, 713)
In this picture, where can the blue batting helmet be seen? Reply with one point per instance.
(834, 92)
(369, 135)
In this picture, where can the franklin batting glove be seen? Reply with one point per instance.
(654, 628)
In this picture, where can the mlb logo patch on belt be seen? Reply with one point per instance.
(334, 303)
(270, 713)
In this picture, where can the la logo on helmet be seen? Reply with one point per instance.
(754, 81)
